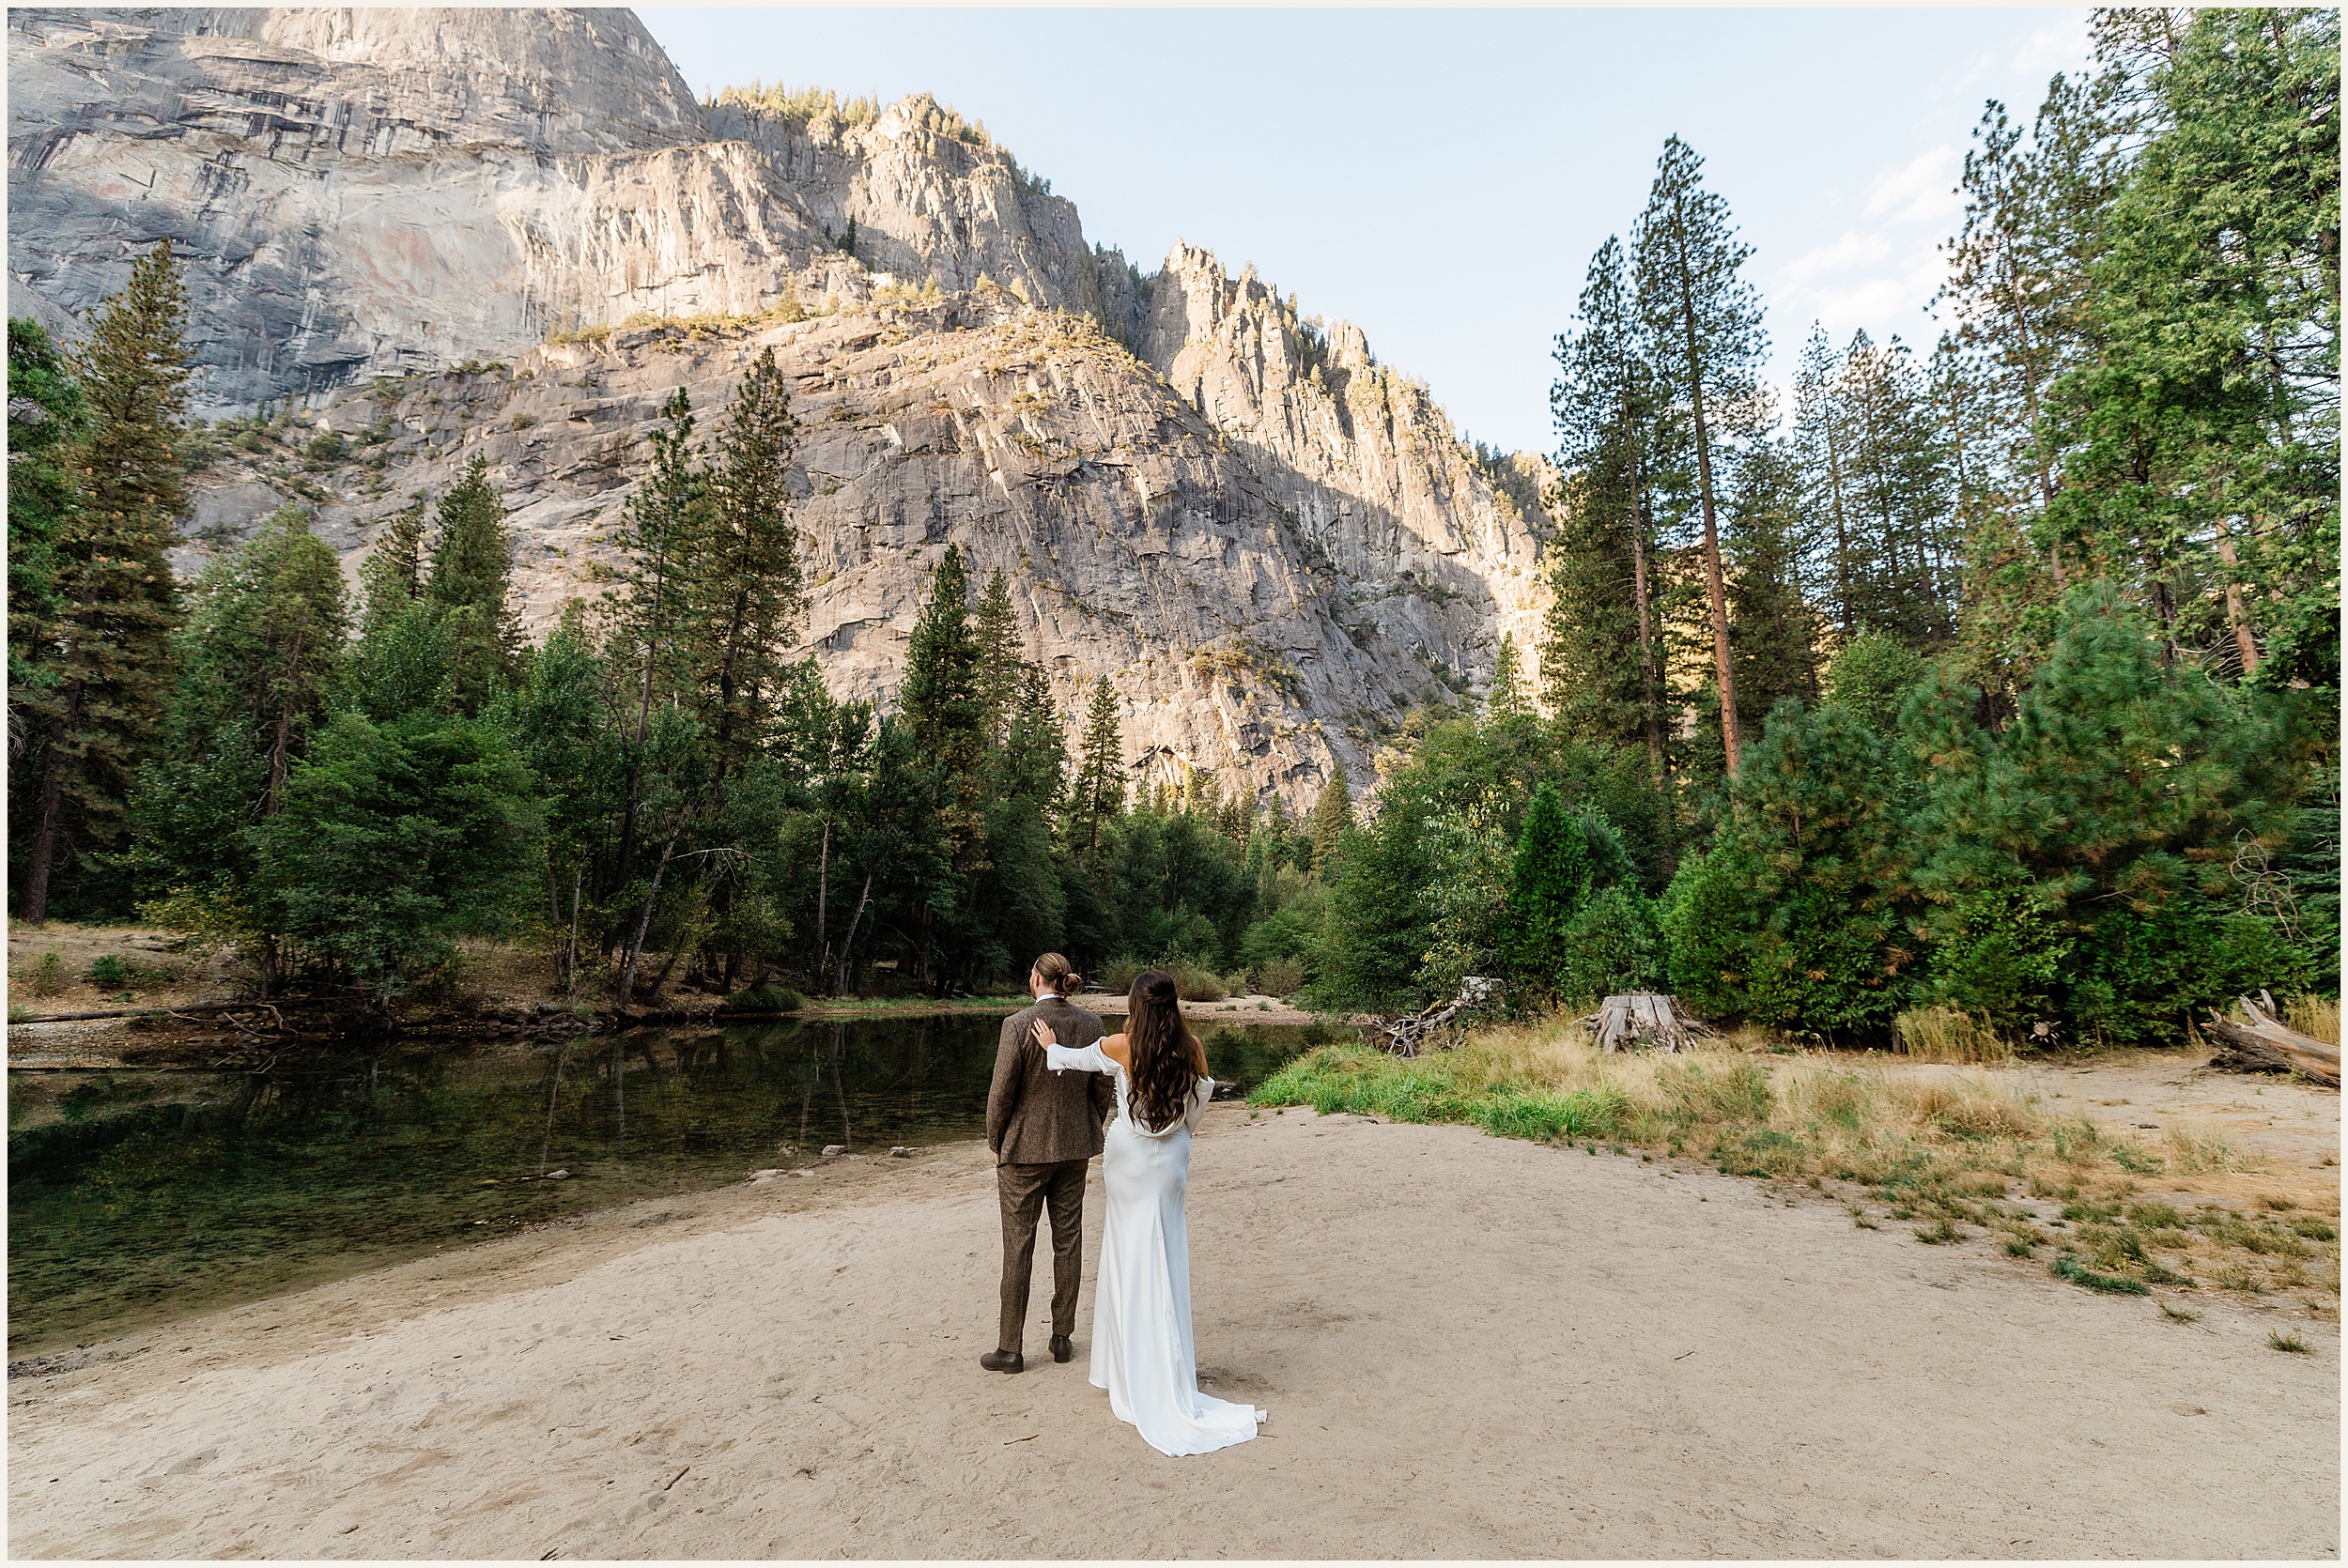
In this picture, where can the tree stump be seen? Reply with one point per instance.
(1631, 1021)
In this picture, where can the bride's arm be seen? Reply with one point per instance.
(1061, 1058)
(1201, 1093)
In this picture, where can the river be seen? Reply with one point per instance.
(135, 1197)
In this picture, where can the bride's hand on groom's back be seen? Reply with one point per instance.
(1043, 1035)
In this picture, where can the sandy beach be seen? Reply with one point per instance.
(1470, 1346)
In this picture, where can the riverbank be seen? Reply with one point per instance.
(92, 996)
(1472, 1345)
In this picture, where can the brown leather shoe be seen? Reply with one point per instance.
(1003, 1360)
(1061, 1349)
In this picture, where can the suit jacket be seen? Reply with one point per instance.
(1036, 1116)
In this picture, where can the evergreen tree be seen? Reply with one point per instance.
(1613, 438)
(945, 710)
(667, 530)
(1897, 493)
(1506, 700)
(1772, 628)
(1002, 655)
(1704, 327)
(2200, 441)
(1098, 796)
(748, 591)
(470, 589)
(105, 667)
(262, 645)
(1332, 817)
(1821, 442)
(1548, 880)
(46, 410)
(392, 576)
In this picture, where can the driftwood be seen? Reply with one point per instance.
(1408, 1036)
(1645, 1018)
(2266, 1044)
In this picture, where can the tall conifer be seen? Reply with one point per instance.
(1705, 322)
(106, 666)
(470, 589)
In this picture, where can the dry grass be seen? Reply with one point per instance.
(1947, 1035)
(1944, 1148)
(2318, 1016)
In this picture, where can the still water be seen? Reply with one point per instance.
(137, 1197)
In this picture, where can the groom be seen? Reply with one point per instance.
(1045, 1127)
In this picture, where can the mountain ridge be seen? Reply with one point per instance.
(582, 227)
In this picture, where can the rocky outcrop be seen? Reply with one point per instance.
(462, 231)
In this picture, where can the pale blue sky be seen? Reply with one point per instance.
(1441, 177)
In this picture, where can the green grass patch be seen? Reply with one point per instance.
(2079, 1274)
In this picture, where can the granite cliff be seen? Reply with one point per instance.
(514, 232)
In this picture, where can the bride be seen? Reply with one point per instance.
(1141, 1343)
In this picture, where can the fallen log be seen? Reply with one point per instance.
(1632, 1019)
(1407, 1037)
(2261, 1042)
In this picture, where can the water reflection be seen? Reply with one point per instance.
(135, 1197)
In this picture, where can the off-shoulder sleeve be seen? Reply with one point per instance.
(1082, 1058)
(1198, 1102)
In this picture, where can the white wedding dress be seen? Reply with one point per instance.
(1141, 1343)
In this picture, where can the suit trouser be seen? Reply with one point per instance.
(1024, 1190)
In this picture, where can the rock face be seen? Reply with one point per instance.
(427, 226)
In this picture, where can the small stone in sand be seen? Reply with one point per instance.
(832, 1151)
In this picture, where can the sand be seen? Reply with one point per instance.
(1468, 1347)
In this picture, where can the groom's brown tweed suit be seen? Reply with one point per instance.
(1045, 1127)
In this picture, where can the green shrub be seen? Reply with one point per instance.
(325, 449)
(763, 999)
(110, 971)
(47, 977)
(1280, 978)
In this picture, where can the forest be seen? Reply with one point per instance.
(2000, 679)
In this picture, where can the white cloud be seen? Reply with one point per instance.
(2062, 45)
(1856, 248)
(1923, 192)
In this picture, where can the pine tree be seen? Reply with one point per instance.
(262, 644)
(945, 710)
(1821, 438)
(1098, 796)
(1772, 628)
(1705, 324)
(1613, 438)
(1548, 882)
(1898, 492)
(470, 589)
(46, 411)
(1002, 655)
(667, 530)
(1506, 701)
(748, 591)
(392, 576)
(2201, 438)
(1332, 817)
(105, 667)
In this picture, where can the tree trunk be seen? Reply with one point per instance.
(822, 901)
(1714, 583)
(644, 924)
(1646, 645)
(2243, 640)
(847, 944)
(47, 805)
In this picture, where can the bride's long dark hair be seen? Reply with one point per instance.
(1163, 1070)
